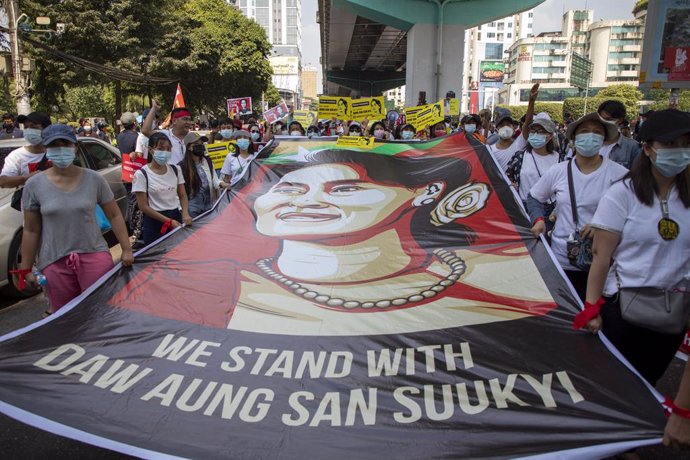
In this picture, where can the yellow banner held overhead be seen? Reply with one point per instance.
(305, 117)
(355, 141)
(422, 116)
(371, 108)
(378, 109)
(335, 107)
(218, 151)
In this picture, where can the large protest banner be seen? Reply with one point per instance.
(339, 302)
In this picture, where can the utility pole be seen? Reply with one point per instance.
(21, 79)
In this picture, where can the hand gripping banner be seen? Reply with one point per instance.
(386, 302)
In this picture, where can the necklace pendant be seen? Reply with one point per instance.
(668, 229)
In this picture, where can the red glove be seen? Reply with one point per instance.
(166, 226)
(671, 408)
(21, 273)
(591, 311)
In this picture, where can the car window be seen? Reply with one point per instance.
(80, 160)
(101, 156)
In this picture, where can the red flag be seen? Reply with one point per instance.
(179, 100)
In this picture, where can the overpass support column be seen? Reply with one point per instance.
(423, 70)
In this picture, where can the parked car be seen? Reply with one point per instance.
(93, 154)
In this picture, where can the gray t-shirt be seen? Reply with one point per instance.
(68, 219)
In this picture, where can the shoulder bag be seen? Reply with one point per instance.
(579, 249)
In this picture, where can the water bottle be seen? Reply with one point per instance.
(40, 278)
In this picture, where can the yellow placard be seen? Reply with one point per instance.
(355, 141)
(371, 108)
(218, 151)
(305, 117)
(451, 107)
(360, 108)
(422, 116)
(335, 107)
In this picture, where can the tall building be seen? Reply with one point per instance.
(613, 47)
(309, 93)
(397, 95)
(485, 46)
(282, 21)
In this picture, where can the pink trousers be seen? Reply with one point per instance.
(73, 274)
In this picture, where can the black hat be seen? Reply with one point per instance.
(38, 118)
(665, 125)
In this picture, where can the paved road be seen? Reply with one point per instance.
(20, 441)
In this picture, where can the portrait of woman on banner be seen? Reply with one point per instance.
(351, 243)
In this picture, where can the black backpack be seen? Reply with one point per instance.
(17, 196)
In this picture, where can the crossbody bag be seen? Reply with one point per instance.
(579, 249)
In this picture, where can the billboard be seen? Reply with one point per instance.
(491, 71)
(666, 49)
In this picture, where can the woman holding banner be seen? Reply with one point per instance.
(201, 181)
(236, 163)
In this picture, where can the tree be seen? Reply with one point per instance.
(629, 95)
(272, 96)
(661, 97)
(217, 53)
(86, 100)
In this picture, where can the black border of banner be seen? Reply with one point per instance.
(514, 211)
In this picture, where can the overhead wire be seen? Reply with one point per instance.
(107, 71)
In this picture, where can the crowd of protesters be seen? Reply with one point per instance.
(614, 209)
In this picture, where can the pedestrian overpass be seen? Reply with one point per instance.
(370, 46)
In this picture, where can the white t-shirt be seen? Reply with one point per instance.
(235, 165)
(503, 156)
(18, 160)
(534, 166)
(605, 150)
(589, 188)
(162, 188)
(142, 145)
(177, 147)
(643, 258)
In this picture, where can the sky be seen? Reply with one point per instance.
(311, 39)
(547, 18)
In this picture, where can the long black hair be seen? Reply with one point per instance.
(410, 172)
(644, 185)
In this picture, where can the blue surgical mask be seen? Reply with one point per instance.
(407, 135)
(161, 156)
(61, 157)
(469, 129)
(243, 144)
(672, 161)
(537, 140)
(32, 136)
(255, 136)
(226, 133)
(588, 144)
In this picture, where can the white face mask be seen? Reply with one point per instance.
(505, 132)
(295, 133)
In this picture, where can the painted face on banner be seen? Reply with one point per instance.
(331, 199)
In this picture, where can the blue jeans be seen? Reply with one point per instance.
(200, 203)
(151, 228)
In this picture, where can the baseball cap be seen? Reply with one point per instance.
(504, 117)
(665, 125)
(128, 118)
(38, 118)
(611, 129)
(545, 121)
(193, 136)
(58, 131)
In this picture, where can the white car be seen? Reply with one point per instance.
(93, 154)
